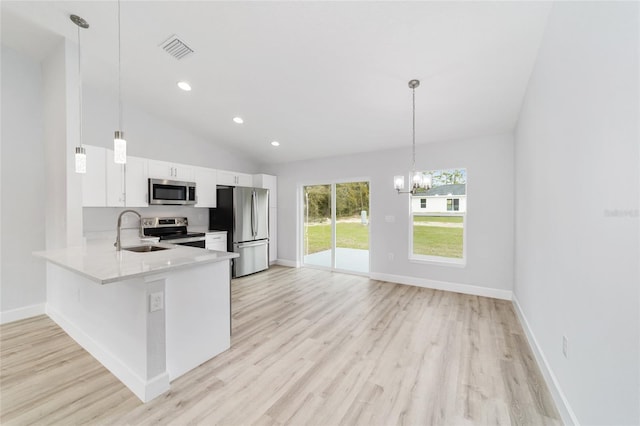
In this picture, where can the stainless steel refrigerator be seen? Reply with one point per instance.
(244, 214)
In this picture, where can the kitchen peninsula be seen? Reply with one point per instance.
(148, 317)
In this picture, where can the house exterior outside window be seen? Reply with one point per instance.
(438, 219)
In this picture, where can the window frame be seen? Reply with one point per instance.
(441, 260)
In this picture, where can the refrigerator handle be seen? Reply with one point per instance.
(254, 213)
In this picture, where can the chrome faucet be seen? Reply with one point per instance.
(119, 225)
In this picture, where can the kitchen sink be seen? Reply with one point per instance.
(145, 248)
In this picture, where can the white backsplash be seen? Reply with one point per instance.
(100, 222)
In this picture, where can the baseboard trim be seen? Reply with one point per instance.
(22, 313)
(144, 390)
(443, 285)
(288, 263)
(566, 413)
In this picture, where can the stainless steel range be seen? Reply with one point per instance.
(172, 230)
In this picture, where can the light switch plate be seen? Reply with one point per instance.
(156, 302)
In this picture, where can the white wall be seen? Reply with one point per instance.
(489, 164)
(577, 193)
(152, 137)
(22, 279)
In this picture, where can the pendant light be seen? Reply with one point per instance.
(119, 143)
(80, 153)
(419, 181)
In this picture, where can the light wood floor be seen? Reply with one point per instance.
(308, 347)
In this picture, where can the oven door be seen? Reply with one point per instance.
(199, 244)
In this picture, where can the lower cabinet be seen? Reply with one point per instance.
(216, 241)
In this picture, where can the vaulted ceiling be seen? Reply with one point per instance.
(322, 78)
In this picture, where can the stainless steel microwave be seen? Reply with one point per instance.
(171, 192)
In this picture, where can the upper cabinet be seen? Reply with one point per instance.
(107, 184)
(170, 171)
(234, 178)
(205, 180)
(136, 182)
(94, 185)
(126, 183)
(269, 182)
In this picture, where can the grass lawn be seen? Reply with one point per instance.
(437, 241)
(349, 235)
(427, 240)
(450, 219)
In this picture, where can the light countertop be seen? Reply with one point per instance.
(100, 262)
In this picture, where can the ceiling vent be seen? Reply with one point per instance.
(176, 47)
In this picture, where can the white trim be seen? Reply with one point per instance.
(567, 414)
(288, 263)
(438, 260)
(22, 313)
(474, 290)
(144, 390)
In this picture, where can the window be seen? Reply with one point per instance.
(438, 218)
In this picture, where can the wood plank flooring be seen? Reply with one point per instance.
(308, 347)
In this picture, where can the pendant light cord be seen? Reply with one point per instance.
(414, 130)
(119, 74)
(79, 89)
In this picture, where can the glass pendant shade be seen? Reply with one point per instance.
(398, 182)
(426, 181)
(417, 180)
(119, 148)
(81, 160)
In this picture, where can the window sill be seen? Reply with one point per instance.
(439, 261)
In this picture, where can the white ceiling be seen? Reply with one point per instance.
(323, 78)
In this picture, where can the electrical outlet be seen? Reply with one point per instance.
(565, 347)
(156, 301)
(390, 256)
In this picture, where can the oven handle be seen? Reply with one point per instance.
(183, 240)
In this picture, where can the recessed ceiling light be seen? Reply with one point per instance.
(184, 86)
(238, 120)
(275, 143)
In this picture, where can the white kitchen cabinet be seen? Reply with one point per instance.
(127, 184)
(205, 180)
(94, 181)
(136, 182)
(115, 182)
(269, 182)
(234, 178)
(216, 240)
(172, 171)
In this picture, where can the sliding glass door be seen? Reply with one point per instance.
(317, 225)
(336, 226)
